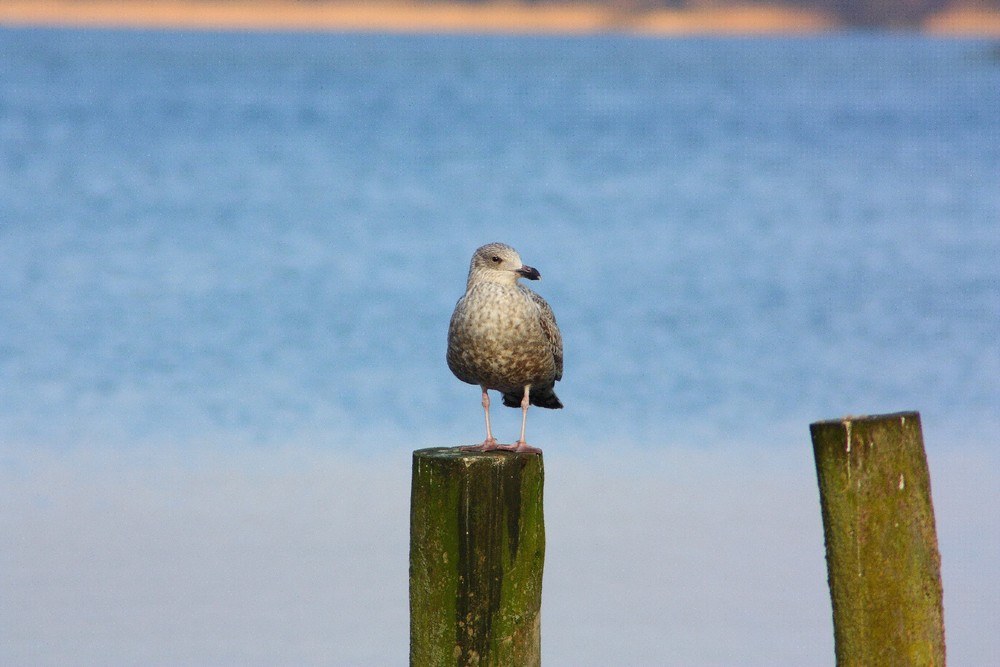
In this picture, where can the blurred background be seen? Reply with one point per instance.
(227, 263)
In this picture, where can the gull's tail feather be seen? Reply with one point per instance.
(543, 397)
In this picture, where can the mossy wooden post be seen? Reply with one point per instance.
(477, 546)
(881, 544)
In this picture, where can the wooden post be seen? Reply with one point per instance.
(881, 544)
(477, 546)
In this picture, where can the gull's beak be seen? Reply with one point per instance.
(529, 272)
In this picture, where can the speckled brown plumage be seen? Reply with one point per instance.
(504, 337)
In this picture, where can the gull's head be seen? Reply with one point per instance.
(499, 263)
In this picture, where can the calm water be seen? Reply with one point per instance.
(260, 238)
(219, 240)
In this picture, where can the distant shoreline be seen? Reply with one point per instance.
(453, 17)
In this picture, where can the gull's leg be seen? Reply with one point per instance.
(521, 446)
(490, 442)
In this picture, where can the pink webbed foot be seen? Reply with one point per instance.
(520, 447)
(488, 446)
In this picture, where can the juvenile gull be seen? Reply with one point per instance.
(504, 337)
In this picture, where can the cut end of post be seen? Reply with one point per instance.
(903, 417)
(460, 453)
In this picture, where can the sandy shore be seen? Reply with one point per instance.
(403, 17)
(970, 22)
(399, 16)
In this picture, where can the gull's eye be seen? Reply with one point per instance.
(496, 260)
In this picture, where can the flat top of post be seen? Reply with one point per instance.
(457, 454)
(855, 419)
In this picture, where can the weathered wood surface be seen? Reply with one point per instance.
(881, 543)
(477, 547)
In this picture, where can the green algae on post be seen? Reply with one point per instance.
(881, 542)
(477, 549)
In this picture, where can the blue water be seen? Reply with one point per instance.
(251, 244)
(259, 238)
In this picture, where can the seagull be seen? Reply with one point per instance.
(504, 337)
